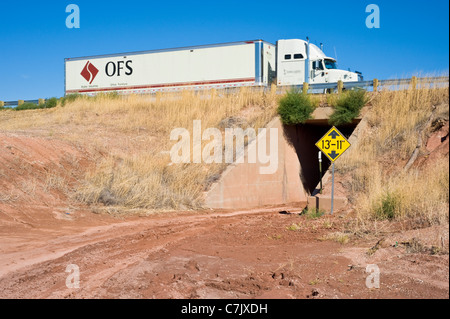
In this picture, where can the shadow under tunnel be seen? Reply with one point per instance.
(303, 137)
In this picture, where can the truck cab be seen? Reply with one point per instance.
(299, 61)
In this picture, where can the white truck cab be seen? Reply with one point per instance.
(299, 61)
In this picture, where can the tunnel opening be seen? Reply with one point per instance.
(303, 137)
(242, 185)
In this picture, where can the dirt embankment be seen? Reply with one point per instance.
(37, 176)
(208, 254)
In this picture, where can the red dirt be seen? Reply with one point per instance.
(207, 254)
(247, 254)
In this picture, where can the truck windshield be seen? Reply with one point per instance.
(330, 64)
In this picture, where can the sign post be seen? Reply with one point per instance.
(332, 188)
(320, 170)
(333, 144)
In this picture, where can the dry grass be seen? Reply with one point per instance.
(128, 139)
(399, 116)
(382, 189)
(131, 139)
(339, 237)
(416, 194)
(54, 181)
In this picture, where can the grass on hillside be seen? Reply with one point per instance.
(133, 135)
(381, 187)
(132, 169)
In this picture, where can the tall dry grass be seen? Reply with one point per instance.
(381, 188)
(421, 195)
(132, 134)
(148, 179)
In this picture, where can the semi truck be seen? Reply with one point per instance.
(258, 63)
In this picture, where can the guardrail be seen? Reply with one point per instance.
(375, 85)
(20, 102)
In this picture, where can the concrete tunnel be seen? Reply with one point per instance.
(242, 186)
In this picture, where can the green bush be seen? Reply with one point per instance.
(49, 103)
(27, 106)
(348, 106)
(295, 108)
(70, 98)
(388, 207)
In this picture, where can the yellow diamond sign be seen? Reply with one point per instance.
(333, 144)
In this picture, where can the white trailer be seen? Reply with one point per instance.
(246, 63)
(249, 63)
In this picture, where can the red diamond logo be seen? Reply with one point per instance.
(89, 72)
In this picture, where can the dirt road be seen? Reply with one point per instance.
(240, 254)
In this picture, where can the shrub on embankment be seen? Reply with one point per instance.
(295, 108)
(348, 106)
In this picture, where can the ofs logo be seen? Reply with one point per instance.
(114, 68)
(111, 69)
(89, 72)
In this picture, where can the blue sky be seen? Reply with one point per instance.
(413, 36)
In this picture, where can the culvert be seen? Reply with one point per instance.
(297, 175)
(303, 138)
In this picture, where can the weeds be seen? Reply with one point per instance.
(339, 237)
(275, 237)
(332, 99)
(388, 206)
(348, 107)
(314, 282)
(295, 108)
(70, 98)
(327, 224)
(294, 227)
(418, 194)
(382, 189)
(313, 213)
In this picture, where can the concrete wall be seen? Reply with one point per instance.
(243, 186)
